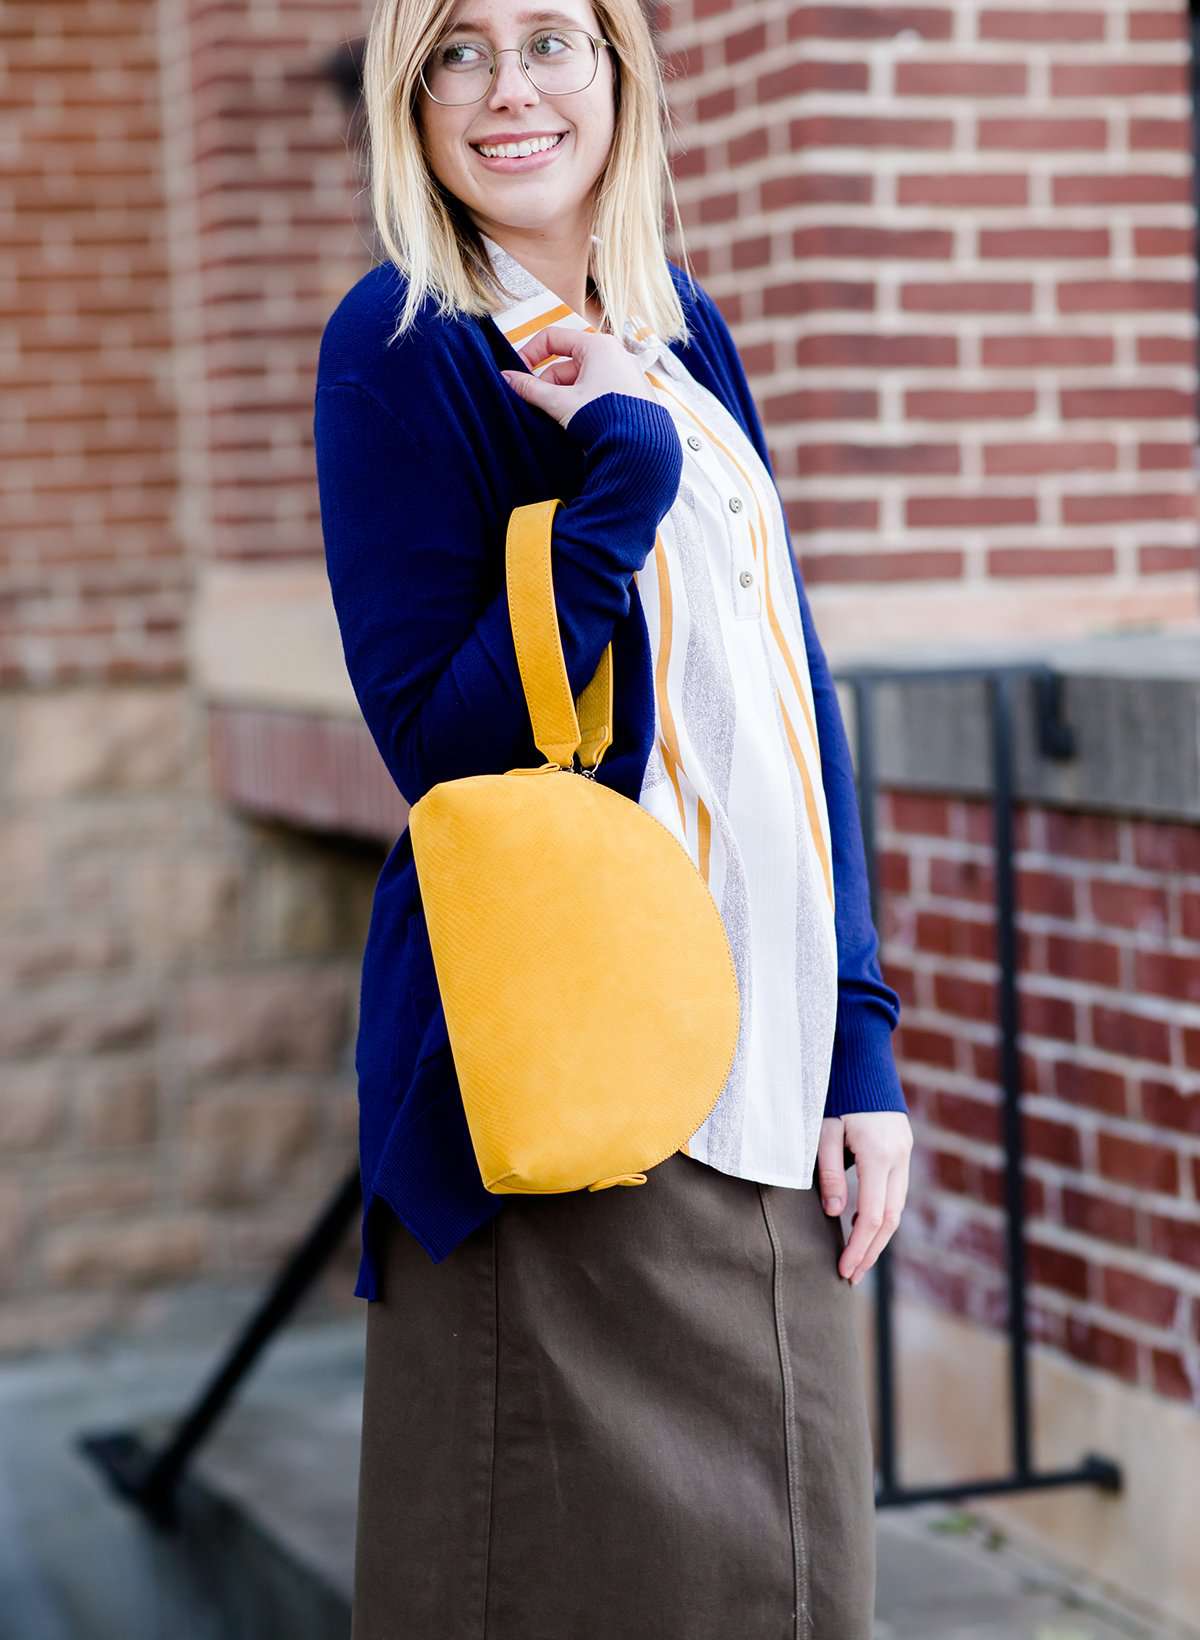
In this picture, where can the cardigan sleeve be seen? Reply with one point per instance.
(411, 555)
(864, 1075)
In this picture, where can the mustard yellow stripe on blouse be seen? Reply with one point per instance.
(672, 757)
(669, 735)
(539, 322)
(772, 617)
(810, 801)
(703, 839)
(781, 642)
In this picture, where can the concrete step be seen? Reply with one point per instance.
(268, 1509)
(77, 1562)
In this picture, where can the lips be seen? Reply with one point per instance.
(504, 141)
(518, 161)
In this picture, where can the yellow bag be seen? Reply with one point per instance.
(589, 990)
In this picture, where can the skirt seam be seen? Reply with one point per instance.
(802, 1613)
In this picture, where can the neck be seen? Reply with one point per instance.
(562, 262)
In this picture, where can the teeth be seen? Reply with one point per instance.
(513, 150)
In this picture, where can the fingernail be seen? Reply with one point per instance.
(835, 1204)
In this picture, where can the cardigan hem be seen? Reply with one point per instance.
(422, 1177)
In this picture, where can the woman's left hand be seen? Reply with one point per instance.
(880, 1142)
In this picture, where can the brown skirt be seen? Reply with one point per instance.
(614, 1415)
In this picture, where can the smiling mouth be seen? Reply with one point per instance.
(519, 159)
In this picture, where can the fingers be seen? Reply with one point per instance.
(882, 1143)
(882, 1189)
(831, 1165)
(561, 374)
(543, 389)
(560, 340)
(868, 1215)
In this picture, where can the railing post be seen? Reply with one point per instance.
(1000, 687)
(1055, 739)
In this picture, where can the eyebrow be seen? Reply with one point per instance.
(478, 27)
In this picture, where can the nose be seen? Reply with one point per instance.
(511, 86)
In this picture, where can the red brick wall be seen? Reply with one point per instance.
(180, 216)
(956, 244)
(1108, 955)
(266, 244)
(92, 568)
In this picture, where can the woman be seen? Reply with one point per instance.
(632, 1412)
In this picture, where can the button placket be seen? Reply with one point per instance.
(746, 600)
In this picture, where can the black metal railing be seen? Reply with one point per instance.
(150, 1479)
(1054, 741)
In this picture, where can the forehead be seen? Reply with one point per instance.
(474, 15)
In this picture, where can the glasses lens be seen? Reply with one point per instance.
(558, 61)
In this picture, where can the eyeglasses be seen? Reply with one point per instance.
(556, 61)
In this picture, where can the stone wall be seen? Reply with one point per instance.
(178, 986)
(180, 979)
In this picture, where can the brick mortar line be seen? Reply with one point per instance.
(987, 1153)
(1053, 1109)
(965, 1085)
(963, 112)
(966, 159)
(1024, 855)
(1039, 986)
(705, 37)
(1092, 1121)
(1177, 1276)
(1044, 922)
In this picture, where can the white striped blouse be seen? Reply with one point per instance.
(735, 771)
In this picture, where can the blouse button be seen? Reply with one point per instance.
(735, 503)
(693, 441)
(746, 577)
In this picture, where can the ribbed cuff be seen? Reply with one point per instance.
(864, 1074)
(632, 447)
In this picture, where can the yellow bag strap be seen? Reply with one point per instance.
(558, 730)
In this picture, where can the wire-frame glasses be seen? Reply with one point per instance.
(557, 62)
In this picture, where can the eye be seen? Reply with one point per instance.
(446, 53)
(548, 39)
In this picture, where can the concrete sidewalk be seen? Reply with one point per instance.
(78, 1564)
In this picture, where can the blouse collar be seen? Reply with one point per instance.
(534, 306)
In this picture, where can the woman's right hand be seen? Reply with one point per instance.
(594, 362)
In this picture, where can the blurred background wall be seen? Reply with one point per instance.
(956, 243)
(179, 976)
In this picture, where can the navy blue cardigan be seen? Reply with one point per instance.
(422, 453)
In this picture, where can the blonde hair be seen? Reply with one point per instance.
(432, 239)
